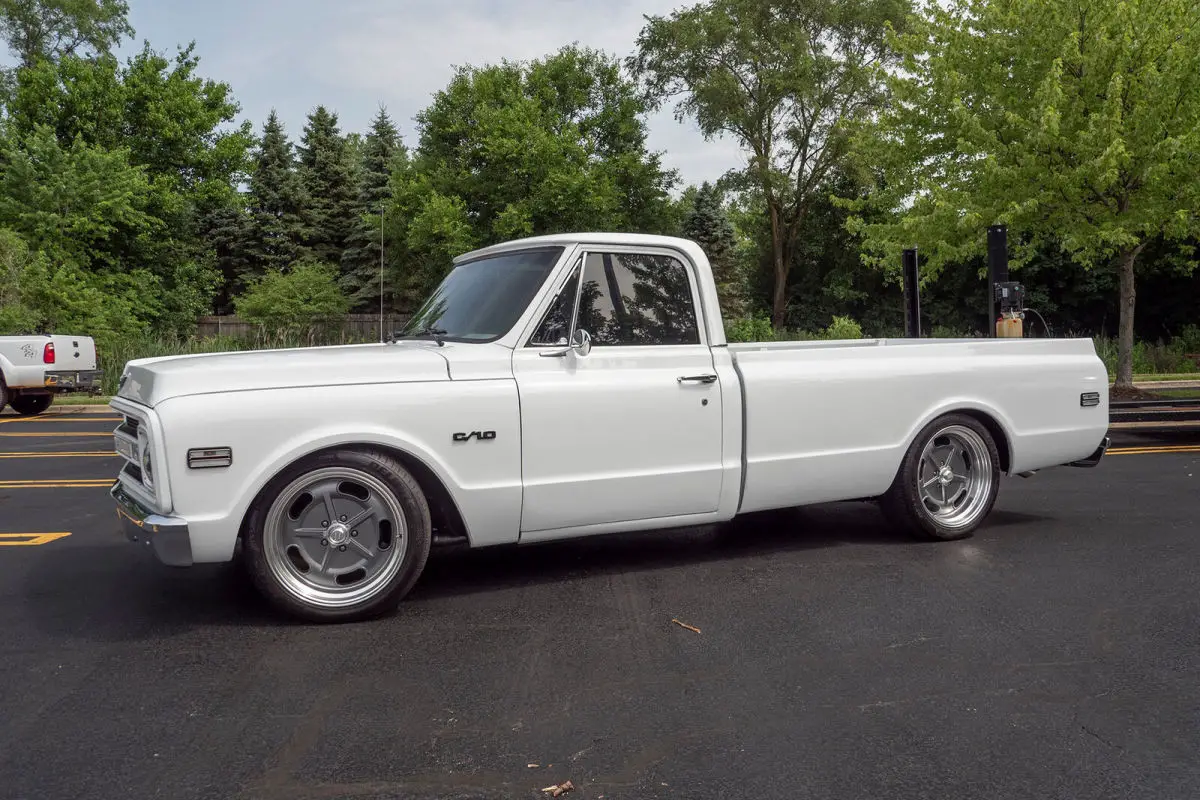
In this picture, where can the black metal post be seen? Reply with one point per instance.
(997, 239)
(912, 295)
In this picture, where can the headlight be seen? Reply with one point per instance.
(145, 458)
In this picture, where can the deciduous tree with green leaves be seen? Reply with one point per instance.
(1077, 124)
(35, 29)
(550, 145)
(297, 301)
(786, 79)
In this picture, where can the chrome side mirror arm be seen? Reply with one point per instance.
(581, 346)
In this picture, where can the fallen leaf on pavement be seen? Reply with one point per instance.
(562, 788)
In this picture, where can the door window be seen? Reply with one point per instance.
(637, 299)
(626, 299)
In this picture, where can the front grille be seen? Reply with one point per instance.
(129, 448)
(129, 427)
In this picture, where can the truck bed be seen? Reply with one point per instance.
(831, 420)
(23, 359)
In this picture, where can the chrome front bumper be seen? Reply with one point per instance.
(168, 536)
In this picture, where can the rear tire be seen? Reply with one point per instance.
(3, 394)
(338, 537)
(948, 482)
(30, 405)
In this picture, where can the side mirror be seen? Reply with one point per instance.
(581, 346)
(583, 342)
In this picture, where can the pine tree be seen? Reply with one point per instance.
(276, 229)
(708, 225)
(328, 185)
(227, 230)
(360, 259)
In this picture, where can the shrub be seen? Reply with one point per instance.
(753, 328)
(843, 328)
(294, 303)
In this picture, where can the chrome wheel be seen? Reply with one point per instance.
(335, 537)
(955, 476)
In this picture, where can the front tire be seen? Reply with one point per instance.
(948, 481)
(30, 405)
(338, 537)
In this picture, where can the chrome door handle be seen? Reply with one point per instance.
(697, 379)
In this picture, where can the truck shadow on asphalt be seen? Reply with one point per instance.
(119, 593)
(767, 534)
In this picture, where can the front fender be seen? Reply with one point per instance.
(272, 429)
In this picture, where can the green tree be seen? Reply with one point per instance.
(382, 150)
(708, 225)
(297, 302)
(16, 316)
(277, 226)
(787, 79)
(174, 126)
(325, 171)
(424, 230)
(51, 29)
(1075, 125)
(80, 204)
(551, 145)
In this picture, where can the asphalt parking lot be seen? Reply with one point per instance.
(1055, 654)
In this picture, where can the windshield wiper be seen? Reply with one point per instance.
(424, 333)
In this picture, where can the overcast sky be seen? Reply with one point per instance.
(353, 55)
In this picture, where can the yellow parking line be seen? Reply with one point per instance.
(28, 434)
(52, 454)
(84, 483)
(30, 539)
(1143, 451)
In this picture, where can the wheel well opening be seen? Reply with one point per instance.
(443, 511)
(997, 432)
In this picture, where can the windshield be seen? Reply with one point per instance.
(480, 300)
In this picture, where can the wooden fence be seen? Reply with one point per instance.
(348, 326)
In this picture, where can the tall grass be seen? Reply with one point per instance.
(1149, 358)
(115, 355)
(1155, 358)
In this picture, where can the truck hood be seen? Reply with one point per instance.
(150, 381)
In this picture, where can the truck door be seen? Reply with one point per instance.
(631, 429)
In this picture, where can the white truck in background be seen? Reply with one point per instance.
(566, 386)
(35, 368)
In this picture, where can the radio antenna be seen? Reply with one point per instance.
(382, 210)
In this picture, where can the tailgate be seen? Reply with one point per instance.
(73, 353)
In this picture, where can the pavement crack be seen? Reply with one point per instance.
(1100, 738)
(909, 643)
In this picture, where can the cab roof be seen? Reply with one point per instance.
(585, 238)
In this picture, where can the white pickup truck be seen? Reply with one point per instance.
(35, 368)
(568, 386)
